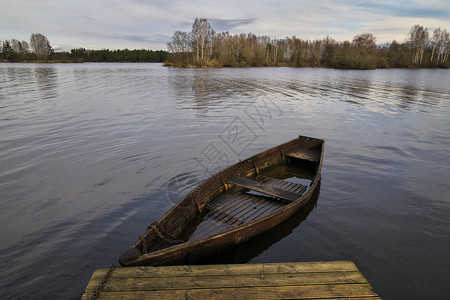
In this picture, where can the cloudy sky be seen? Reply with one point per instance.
(118, 24)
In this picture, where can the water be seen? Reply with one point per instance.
(91, 154)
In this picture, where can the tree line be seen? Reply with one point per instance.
(203, 47)
(39, 49)
(125, 55)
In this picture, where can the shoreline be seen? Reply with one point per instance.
(284, 65)
(189, 66)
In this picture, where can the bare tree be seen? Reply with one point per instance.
(202, 35)
(439, 43)
(418, 39)
(446, 47)
(180, 42)
(40, 45)
(16, 45)
(180, 45)
(366, 41)
(20, 47)
(25, 47)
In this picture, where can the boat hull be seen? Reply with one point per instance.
(300, 152)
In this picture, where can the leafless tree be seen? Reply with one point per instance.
(418, 39)
(180, 46)
(180, 42)
(439, 45)
(41, 45)
(366, 41)
(25, 47)
(16, 46)
(202, 35)
(19, 47)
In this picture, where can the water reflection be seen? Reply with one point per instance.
(380, 91)
(47, 81)
(206, 89)
(20, 79)
(359, 88)
(202, 86)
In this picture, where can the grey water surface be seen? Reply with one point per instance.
(91, 154)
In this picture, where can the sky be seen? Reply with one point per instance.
(139, 24)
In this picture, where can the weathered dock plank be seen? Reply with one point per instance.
(318, 280)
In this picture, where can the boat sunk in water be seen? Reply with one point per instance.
(233, 206)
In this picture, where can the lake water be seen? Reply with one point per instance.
(91, 154)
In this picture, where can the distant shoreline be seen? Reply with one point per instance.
(51, 61)
(189, 66)
(285, 65)
(57, 61)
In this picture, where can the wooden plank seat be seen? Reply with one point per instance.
(263, 188)
(305, 154)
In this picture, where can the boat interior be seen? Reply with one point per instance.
(247, 199)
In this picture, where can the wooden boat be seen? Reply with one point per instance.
(233, 206)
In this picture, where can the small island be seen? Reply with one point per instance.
(203, 47)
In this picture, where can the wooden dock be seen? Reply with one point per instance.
(306, 280)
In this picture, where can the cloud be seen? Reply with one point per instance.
(110, 40)
(139, 24)
(220, 25)
(435, 9)
(154, 38)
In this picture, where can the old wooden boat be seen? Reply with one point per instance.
(233, 206)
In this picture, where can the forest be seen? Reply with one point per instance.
(125, 55)
(39, 50)
(203, 47)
